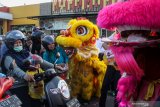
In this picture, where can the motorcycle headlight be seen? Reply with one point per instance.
(62, 85)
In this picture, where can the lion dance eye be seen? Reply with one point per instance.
(82, 30)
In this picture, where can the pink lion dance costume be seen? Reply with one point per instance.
(137, 52)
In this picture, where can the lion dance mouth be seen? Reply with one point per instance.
(137, 51)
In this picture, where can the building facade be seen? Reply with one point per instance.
(77, 8)
(20, 17)
(5, 18)
(59, 12)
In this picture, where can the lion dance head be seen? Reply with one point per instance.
(137, 50)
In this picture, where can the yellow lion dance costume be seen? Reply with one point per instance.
(87, 71)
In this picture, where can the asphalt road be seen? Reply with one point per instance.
(95, 102)
(92, 103)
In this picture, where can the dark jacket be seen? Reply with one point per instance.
(18, 70)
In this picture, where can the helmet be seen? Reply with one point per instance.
(31, 61)
(13, 36)
(35, 29)
(36, 36)
(36, 32)
(47, 40)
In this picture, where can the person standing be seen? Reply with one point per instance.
(109, 86)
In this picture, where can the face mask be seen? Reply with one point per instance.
(18, 48)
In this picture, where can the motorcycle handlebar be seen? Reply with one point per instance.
(47, 74)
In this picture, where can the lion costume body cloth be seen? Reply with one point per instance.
(137, 52)
(87, 71)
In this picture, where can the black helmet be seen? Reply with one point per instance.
(12, 36)
(36, 32)
(47, 40)
(36, 36)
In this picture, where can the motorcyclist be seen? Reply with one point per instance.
(12, 65)
(53, 51)
(36, 37)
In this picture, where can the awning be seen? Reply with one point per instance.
(65, 15)
(7, 16)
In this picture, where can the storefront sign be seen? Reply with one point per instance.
(68, 6)
(55, 24)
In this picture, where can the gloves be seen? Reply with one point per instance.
(63, 67)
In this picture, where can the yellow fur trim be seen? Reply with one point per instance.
(87, 52)
(93, 61)
(86, 24)
(68, 41)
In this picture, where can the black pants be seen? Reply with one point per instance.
(100, 56)
(109, 83)
(36, 103)
(22, 94)
(27, 101)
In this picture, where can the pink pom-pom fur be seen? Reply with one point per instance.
(126, 87)
(126, 62)
(142, 13)
(127, 83)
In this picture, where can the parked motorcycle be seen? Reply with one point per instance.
(7, 100)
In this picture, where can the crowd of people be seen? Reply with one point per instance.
(125, 70)
(17, 47)
(43, 50)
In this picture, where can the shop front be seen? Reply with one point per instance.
(20, 20)
(64, 10)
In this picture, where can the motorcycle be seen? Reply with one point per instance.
(56, 90)
(7, 100)
(57, 93)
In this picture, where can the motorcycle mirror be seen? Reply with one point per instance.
(38, 77)
(58, 55)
